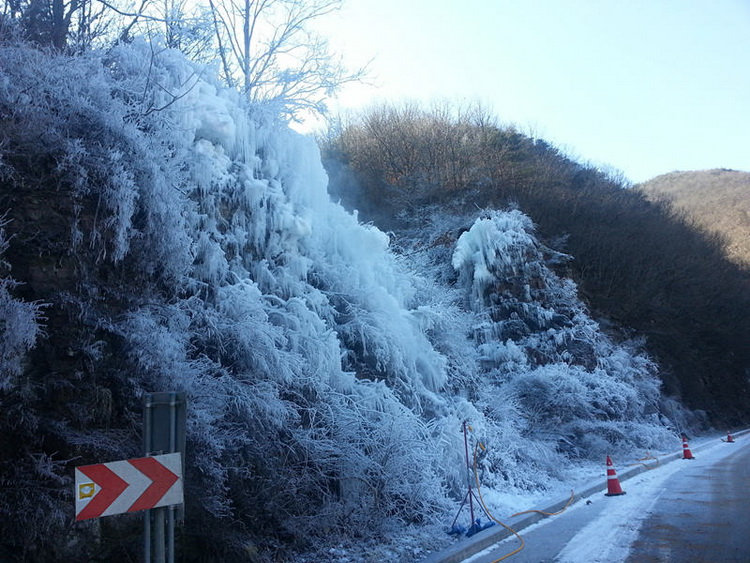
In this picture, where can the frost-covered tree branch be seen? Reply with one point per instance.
(268, 49)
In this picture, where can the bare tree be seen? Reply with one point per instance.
(91, 23)
(268, 51)
(60, 24)
(46, 22)
(184, 25)
(266, 48)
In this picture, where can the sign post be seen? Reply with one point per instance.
(164, 417)
(152, 483)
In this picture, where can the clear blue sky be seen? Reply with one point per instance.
(644, 86)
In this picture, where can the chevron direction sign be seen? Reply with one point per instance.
(111, 488)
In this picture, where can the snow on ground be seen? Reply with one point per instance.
(607, 538)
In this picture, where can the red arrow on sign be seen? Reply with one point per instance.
(111, 488)
(162, 479)
(127, 486)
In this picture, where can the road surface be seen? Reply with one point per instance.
(683, 511)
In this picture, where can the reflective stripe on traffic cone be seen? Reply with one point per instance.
(686, 453)
(613, 483)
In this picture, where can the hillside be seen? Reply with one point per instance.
(159, 233)
(328, 365)
(717, 200)
(641, 268)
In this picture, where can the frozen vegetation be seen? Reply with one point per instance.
(328, 374)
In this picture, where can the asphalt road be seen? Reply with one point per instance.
(704, 517)
(683, 511)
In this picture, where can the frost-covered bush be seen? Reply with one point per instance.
(297, 318)
(22, 502)
(573, 387)
(198, 251)
(19, 325)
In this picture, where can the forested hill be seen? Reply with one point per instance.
(638, 263)
(717, 201)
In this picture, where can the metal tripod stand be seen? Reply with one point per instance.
(470, 496)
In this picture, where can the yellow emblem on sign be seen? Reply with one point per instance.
(85, 490)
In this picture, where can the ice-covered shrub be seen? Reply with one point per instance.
(573, 387)
(20, 324)
(201, 253)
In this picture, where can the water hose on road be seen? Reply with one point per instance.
(642, 461)
(487, 510)
(564, 508)
(479, 445)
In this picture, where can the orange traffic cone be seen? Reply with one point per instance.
(686, 453)
(613, 483)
